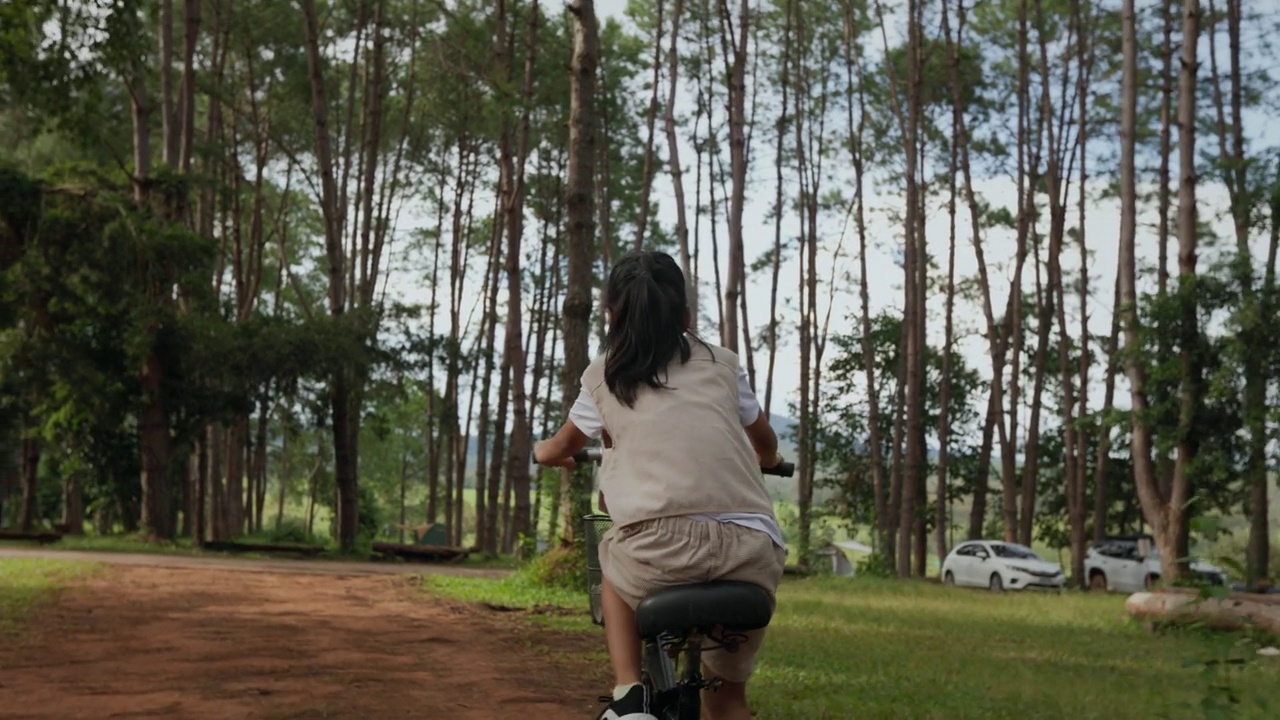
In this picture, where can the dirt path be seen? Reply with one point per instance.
(214, 644)
(289, 566)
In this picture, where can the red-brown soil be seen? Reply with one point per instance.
(199, 643)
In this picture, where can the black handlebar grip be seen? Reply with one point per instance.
(585, 455)
(784, 469)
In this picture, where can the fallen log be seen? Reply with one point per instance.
(1185, 606)
(44, 538)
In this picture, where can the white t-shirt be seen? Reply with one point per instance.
(586, 416)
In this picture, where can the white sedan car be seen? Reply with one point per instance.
(1000, 566)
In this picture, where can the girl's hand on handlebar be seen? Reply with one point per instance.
(769, 463)
(541, 455)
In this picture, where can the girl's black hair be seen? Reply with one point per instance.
(646, 295)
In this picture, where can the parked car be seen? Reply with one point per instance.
(1000, 566)
(1131, 563)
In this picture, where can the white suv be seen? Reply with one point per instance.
(1132, 564)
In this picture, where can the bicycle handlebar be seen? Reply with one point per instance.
(596, 455)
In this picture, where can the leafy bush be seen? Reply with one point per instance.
(559, 568)
(876, 565)
(290, 531)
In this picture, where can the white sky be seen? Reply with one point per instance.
(885, 277)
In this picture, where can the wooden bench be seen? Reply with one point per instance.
(268, 548)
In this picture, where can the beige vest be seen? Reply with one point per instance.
(682, 449)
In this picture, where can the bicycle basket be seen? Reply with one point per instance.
(595, 526)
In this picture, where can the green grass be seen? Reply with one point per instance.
(866, 648)
(559, 607)
(123, 543)
(26, 584)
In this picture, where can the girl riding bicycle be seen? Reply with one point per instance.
(682, 478)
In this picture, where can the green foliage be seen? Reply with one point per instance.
(844, 434)
(876, 565)
(290, 531)
(559, 567)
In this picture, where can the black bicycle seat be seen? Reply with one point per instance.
(686, 608)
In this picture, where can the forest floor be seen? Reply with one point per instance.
(176, 637)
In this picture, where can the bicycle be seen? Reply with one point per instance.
(675, 623)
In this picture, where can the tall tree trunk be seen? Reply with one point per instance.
(883, 540)
(999, 335)
(779, 210)
(552, 484)
(806, 427)
(1050, 301)
(1259, 504)
(492, 506)
(30, 483)
(153, 426)
(944, 401)
(200, 523)
(1085, 55)
(517, 474)
(915, 312)
(461, 441)
(260, 464)
(651, 118)
(1174, 540)
(1256, 304)
(1162, 391)
(450, 419)
(575, 496)
(1102, 461)
(736, 279)
(187, 108)
(168, 116)
(982, 482)
(332, 204)
(1031, 450)
(1167, 12)
(541, 359)
(488, 478)
(233, 491)
(282, 470)
(216, 448)
(673, 167)
(1144, 471)
(433, 430)
(1057, 185)
(1027, 183)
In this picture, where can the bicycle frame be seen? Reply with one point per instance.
(658, 656)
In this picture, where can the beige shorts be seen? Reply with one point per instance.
(644, 557)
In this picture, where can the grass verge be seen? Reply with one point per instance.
(883, 649)
(26, 584)
(558, 607)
